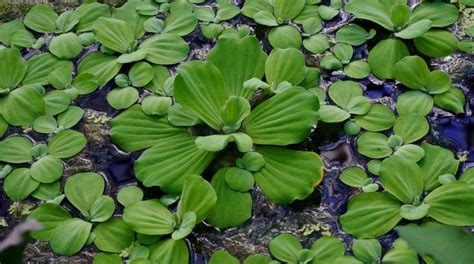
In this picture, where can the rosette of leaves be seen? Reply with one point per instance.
(212, 93)
(150, 217)
(420, 24)
(413, 191)
(22, 96)
(370, 251)
(211, 26)
(117, 36)
(413, 73)
(275, 13)
(68, 234)
(354, 108)
(40, 178)
(340, 57)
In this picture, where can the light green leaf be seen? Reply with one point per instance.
(114, 228)
(285, 65)
(438, 82)
(195, 186)
(342, 92)
(332, 114)
(384, 56)
(132, 57)
(181, 23)
(452, 204)
(66, 144)
(50, 216)
(56, 101)
(317, 44)
(400, 14)
(70, 117)
(239, 179)
(102, 209)
(233, 207)
(83, 189)
(327, 12)
(13, 68)
(330, 62)
(122, 98)
(370, 215)
(359, 105)
(274, 121)
(129, 195)
(66, 46)
(288, 174)
(415, 30)
(358, 69)
(113, 33)
(312, 26)
(47, 169)
(411, 127)
(19, 184)
(402, 178)
(354, 177)
(140, 74)
(327, 249)
(23, 38)
(149, 217)
(222, 256)
(16, 149)
(265, 18)
(8, 29)
(156, 105)
(103, 66)
(372, 10)
(199, 88)
(285, 37)
(440, 14)
(453, 100)
(48, 191)
(285, 247)
(286, 9)
(352, 34)
(414, 102)
(89, 13)
(412, 72)
(108, 258)
(252, 7)
(238, 60)
(373, 145)
(436, 162)
(165, 49)
(436, 43)
(40, 66)
(343, 52)
(170, 251)
(212, 143)
(414, 212)
(367, 250)
(379, 118)
(41, 18)
(411, 152)
(188, 222)
(235, 110)
(70, 236)
(60, 78)
(67, 21)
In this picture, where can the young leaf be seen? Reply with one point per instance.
(373, 145)
(70, 117)
(354, 177)
(188, 222)
(122, 98)
(239, 179)
(129, 195)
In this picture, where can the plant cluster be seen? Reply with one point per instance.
(211, 131)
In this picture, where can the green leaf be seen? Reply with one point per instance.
(114, 228)
(343, 52)
(66, 46)
(239, 179)
(188, 222)
(317, 44)
(384, 56)
(181, 23)
(41, 18)
(196, 186)
(286, 10)
(227, 11)
(354, 177)
(141, 74)
(103, 66)
(400, 14)
(50, 216)
(233, 207)
(411, 152)
(330, 62)
(129, 195)
(401, 254)
(440, 14)
(370, 215)
(83, 189)
(373, 145)
(222, 256)
(352, 34)
(253, 161)
(154, 25)
(85, 83)
(412, 72)
(113, 33)
(342, 92)
(285, 37)
(326, 249)
(332, 114)
(367, 250)
(67, 21)
(402, 178)
(441, 242)
(169, 251)
(8, 29)
(265, 18)
(48, 191)
(60, 78)
(312, 26)
(70, 236)
(379, 118)
(108, 258)
(414, 212)
(436, 43)
(40, 66)
(452, 204)
(372, 10)
(411, 127)
(149, 217)
(285, 65)
(19, 184)
(70, 117)
(165, 49)
(23, 38)
(327, 12)
(122, 98)
(453, 100)
(102, 209)
(414, 102)
(212, 143)
(89, 13)
(47, 169)
(274, 121)
(157, 84)
(13, 68)
(199, 88)
(436, 162)
(156, 105)
(56, 102)
(16, 149)
(66, 144)
(288, 175)
(132, 57)
(252, 7)
(358, 69)
(359, 105)
(415, 30)
(438, 82)
(235, 110)
(285, 247)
